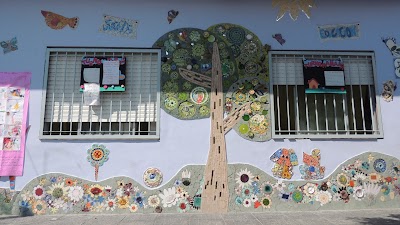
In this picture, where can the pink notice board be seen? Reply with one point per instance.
(14, 98)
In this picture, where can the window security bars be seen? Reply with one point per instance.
(296, 114)
(132, 114)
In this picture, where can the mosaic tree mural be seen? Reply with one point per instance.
(220, 72)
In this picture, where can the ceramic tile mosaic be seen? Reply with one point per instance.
(367, 181)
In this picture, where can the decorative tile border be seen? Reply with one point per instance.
(369, 180)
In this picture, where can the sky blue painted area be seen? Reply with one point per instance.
(187, 142)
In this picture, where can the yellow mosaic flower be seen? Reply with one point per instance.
(123, 202)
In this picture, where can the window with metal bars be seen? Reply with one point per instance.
(296, 114)
(132, 114)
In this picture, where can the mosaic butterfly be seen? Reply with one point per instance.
(172, 14)
(9, 46)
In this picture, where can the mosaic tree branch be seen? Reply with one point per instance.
(233, 118)
(196, 78)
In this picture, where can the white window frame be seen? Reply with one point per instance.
(293, 70)
(135, 115)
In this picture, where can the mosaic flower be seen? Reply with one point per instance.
(97, 155)
(254, 198)
(244, 177)
(266, 202)
(187, 110)
(179, 189)
(153, 201)
(38, 192)
(344, 194)
(365, 165)
(128, 189)
(169, 197)
(140, 199)
(99, 207)
(238, 200)
(75, 193)
(310, 189)
(123, 202)
(170, 103)
(95, 190)
(58, 203)
(360, 177)
(54, 210)
(177, 182)
(194, 35)
(182, 206)
(133, 208)
(204, 110)
(171, 87)
(170, 45)
(323, 197)
(385, 189)
(120, 183)
(26, 195)
(39, 207)
(119, 192)
(247, 191)
(258, 124)
(58, 190)
(247, 202)
(184, 195)
(324, 186)
(110, 204)
(267, 188)
(68, 207)
(358, 193)
(179, 57)
(380, 165)
(198, 50)
(166, 68)
(374, 177)
(280, 186)
(297, 196)
(342, 179)
(69, 182)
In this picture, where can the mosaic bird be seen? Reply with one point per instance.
(279, 38)
(56, 21)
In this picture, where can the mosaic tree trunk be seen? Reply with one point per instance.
(215, 191)
(215, 195)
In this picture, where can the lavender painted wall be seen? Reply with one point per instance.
(187, 142)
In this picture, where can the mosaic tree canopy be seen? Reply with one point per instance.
(244, 63)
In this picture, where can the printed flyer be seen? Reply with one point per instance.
(14, 98)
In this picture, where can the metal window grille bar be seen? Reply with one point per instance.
(356, 113)
(123, 115)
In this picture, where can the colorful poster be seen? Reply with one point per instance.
(14, 97)
(324, 76)
(339, 31)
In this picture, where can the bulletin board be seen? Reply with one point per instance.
(109, 73)
(324, 76)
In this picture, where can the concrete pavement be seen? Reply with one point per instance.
(377, 217)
